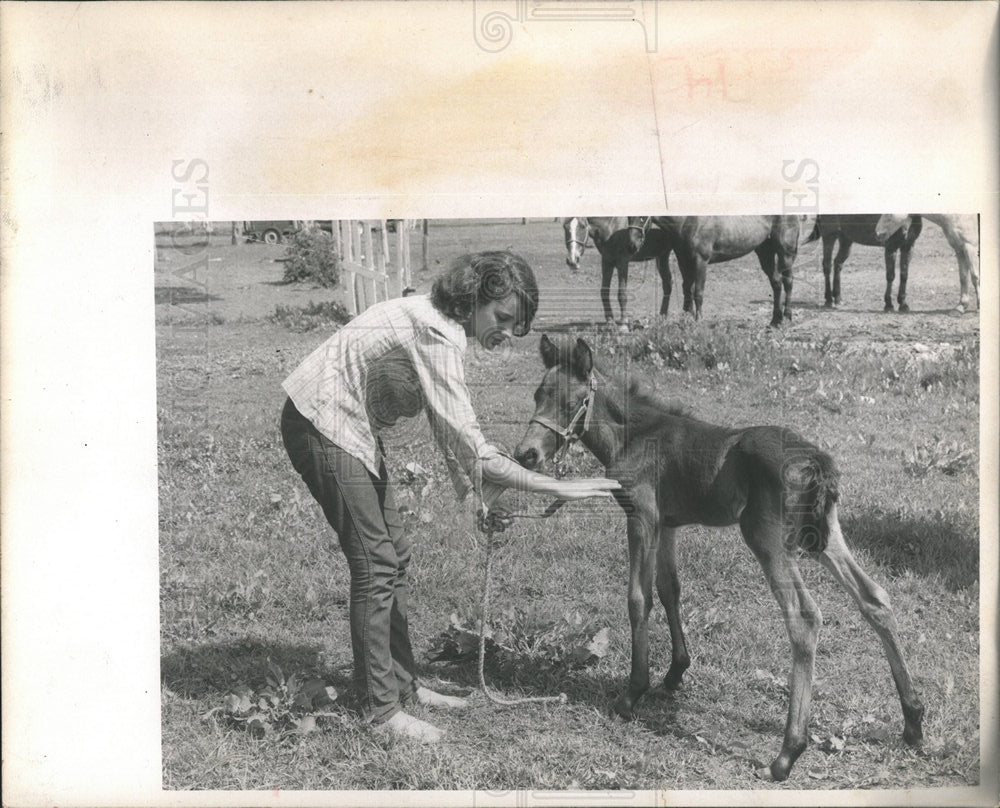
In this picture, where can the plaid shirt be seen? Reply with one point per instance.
(392, 361)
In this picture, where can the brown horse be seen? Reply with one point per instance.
(702, 240)
(962, 234)
(676, 470)
(859, 228)
(609, 235)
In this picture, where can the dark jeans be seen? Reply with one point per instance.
(360, 508)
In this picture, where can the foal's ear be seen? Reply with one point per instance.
(582, 360)
(549, 351)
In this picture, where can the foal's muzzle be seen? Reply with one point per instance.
(529, 458)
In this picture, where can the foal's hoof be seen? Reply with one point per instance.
(828, 304)
(903, 308)
(913, 717)
(673, 681)
(888, 307)
(623, 709)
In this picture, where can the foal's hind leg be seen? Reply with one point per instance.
(874, 605)
(668, 587)
(802, 621)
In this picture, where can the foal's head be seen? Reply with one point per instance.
(563, 401)
(575, 230)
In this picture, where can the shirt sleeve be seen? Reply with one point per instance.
(439, 366)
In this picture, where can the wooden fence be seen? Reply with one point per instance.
(370, 272)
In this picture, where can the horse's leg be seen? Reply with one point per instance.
(828, 241)
(843, 253)
(688, 269)
(874, 604)
(904, 271)
(965, 270)
(802, 621)
(641, 553)
(890, 276)
(786, 259)
(698, 273)
(668, 587)
(607, 270)
(766, 256)
(623, 292)
(666, 281)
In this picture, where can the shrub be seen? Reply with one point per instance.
(314, 315)
(310, 257)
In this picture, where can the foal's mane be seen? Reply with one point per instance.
(639, 408)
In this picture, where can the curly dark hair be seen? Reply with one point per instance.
(477, 278)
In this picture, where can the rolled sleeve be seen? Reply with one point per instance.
(438, 362)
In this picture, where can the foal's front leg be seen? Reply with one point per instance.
(668, 586)
(642, 562)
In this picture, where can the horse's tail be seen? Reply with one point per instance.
(814, 234)
(807, 478)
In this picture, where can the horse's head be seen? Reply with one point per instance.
(889, 223)
(563, 401)
(638, 226)
(575, 230)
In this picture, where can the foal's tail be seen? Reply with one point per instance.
(807, 479)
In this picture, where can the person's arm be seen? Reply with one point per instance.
(439, 366)
(503, 472)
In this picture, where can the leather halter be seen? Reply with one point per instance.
(583, 244)
(644, 227)
(584, 411)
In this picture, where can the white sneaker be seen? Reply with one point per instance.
(408, 726)
(429, 698)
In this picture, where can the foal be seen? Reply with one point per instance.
(676, 470)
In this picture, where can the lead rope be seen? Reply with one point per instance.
(561, 698)
(484, 519)
(484, 611)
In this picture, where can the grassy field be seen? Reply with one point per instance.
(253, 585)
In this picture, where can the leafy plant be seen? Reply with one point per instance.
(566, 643)
(948, 457)
(301, 319)
(310, 257)
(284, 706)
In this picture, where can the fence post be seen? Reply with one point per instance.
(424, 247)
(369, 264)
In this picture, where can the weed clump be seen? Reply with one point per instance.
(311, 316)
(310, 257)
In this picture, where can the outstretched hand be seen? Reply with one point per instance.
(586, 487)
(496, 520)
